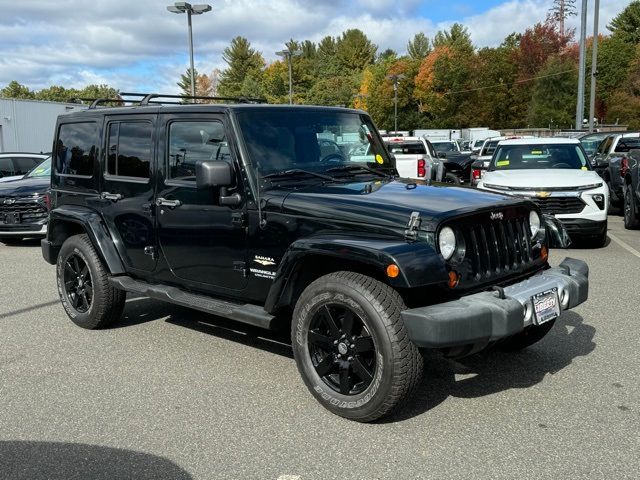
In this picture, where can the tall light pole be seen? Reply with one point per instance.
(594, 66)
(395, 79)
(287, 55)
(184, 7)
(581, 69)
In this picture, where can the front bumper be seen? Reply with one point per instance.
(579, 226)
(485, 317)
(23, 230)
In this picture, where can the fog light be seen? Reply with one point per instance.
(599, 200)
(528, 312)
(564, 298)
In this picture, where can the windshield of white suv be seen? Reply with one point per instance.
(281, 140)
(445, 147)
(543, 156)
(42, 170)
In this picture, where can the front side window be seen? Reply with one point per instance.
(42, 170)
(543, 156)
(76, 149)
(312, 140)
(192, 141)
(129, 149)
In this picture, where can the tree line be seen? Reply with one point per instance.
(530, 79)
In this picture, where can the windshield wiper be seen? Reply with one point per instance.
(298, 171)
(354, 168)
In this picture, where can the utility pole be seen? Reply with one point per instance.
(594, 66)
(287, 55)
(395, 79)
(581, 72)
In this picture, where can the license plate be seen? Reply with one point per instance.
(11, 218)
(546, 306)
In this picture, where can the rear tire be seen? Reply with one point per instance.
(631, 214)
(351, 346)
(526, 338)
(85, 292)
(451, 178)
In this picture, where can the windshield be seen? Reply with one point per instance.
(407, 147)
(42, 170)
(590, 143)
(543, 156)
(444, 147)
(279, 140)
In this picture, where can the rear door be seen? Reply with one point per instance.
(128, 188)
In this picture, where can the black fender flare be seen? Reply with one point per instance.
(95, 228)
(418, 261)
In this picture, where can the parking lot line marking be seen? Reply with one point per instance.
(624, 245)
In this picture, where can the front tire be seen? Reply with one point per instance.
(631, 215)
(351, 346)
(87, 296)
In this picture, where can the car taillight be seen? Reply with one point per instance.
(624, 166)
(476, 173)
(422, 169)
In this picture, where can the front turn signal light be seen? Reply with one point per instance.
(454, 279)
(393, 271)
(544, 253)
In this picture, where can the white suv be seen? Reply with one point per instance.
(555, 173)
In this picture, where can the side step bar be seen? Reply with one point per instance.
(245, 313)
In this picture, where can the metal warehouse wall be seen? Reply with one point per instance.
(27, 125)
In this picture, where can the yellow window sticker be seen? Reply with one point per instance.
(584, 168)
(39, 170)
(379, 159)
(536, 152)
(502, 163)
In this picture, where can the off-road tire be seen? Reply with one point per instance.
(526, 338)
(398, 363)
(451, 178)
(107, 302)
(631, 214)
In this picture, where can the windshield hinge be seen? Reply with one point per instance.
(238, 219)
(411, 233)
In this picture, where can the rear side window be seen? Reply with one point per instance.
(129, 149)
(76, 149)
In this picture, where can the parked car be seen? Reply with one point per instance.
(606, 161)
(481, 161)
(555, 174)
(630, 173)
(415, 158)
(591, 141)
(24, 204)
(457, 164)
(15, 165)
(365, 268)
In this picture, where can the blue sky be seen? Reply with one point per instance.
(138, 45)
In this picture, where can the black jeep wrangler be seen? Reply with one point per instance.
(239, 211)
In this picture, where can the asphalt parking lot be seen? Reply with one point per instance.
(176, 394)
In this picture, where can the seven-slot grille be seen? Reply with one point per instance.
(555, 205)
(29, 209)
(495, 248)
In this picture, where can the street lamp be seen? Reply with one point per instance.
(184, 7)
(287, 54)
(395, 79)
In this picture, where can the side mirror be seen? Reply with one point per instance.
(213, 174)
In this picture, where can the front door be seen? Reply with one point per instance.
(128, 188)
(203, 242)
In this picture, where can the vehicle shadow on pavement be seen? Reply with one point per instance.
(493, 371)
(25, 460)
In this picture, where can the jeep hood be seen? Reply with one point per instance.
(389, 202)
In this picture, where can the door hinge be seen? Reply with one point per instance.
(238, 219)
(151, 251)
(411, 233)
(242, 268)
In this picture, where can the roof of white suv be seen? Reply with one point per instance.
(541, 141)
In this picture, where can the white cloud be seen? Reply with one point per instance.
(139, 45)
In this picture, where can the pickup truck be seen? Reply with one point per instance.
(607, 161)
(630, 175)
(415, 158)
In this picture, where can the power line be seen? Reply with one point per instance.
(525, 80)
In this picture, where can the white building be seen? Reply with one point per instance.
(27, 125)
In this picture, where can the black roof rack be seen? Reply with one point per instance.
(145, 99)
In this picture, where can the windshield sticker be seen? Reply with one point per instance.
(536, 152)
(502, 163)
(584, 168)
(379, 159)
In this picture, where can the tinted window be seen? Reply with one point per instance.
(129, 149)
(407, 148)
(444, 147)
(605, 146)
(6, 167)
(626, 144)
(76, 149)
(24, 164)
(523, 157)
(42, 170)
(193, 141)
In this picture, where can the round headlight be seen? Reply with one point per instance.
(534, 223)
(447, 242)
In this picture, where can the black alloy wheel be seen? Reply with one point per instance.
(78, 284)
(342, 350)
